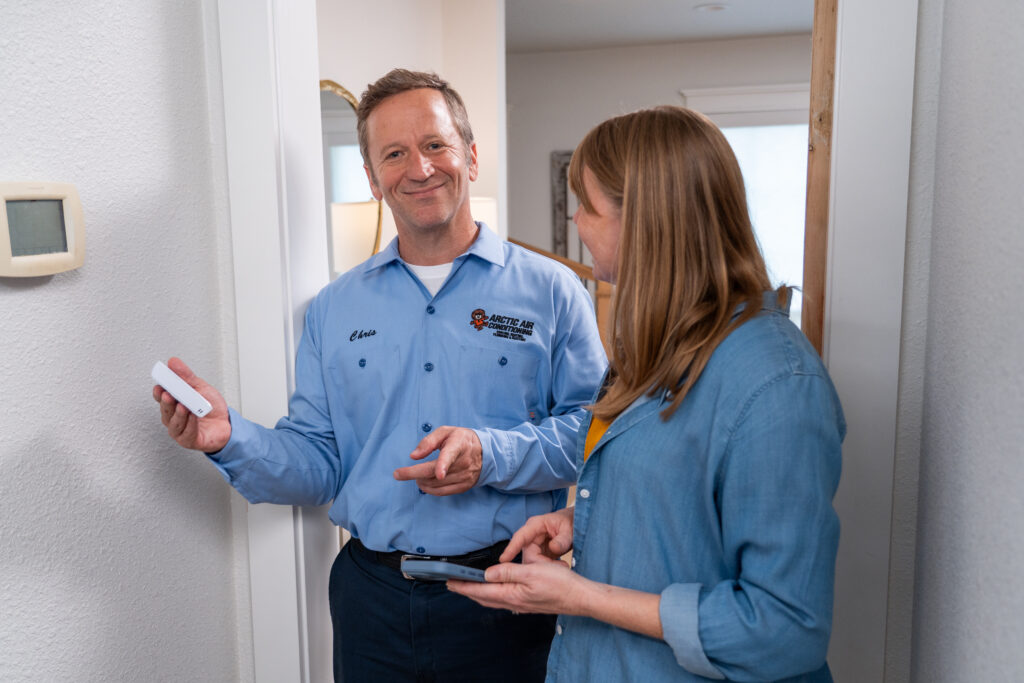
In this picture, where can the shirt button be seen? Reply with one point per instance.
(503, 361)
(573, 560)
(427, 426)
(584, 493)
(558, 629)
(421, 550)
(362, 362)
(430, 310)
(428, 366)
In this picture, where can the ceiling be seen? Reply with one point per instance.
(542, 25)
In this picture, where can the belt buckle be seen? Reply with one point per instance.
(410, 557)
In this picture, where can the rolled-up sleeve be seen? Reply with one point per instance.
(679, 610)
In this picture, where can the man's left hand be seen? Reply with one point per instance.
(457, 467)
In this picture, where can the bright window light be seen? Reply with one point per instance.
(348, 179)
(773, 160)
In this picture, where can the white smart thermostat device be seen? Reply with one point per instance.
(42, 231)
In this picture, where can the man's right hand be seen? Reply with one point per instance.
(208, 434)
(549, 535)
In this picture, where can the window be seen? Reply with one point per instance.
(773, 160)
(347, 179)
(767, 129)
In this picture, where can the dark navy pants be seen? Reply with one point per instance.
(388, 628)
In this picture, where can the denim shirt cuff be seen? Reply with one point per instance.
(487, 464)
(679, 612)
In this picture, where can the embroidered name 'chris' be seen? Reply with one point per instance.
(359, 334)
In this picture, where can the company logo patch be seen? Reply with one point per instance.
(479, 319)
(503, 326)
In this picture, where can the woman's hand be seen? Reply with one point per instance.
(542, 583)
(547, 535)
(543, 586)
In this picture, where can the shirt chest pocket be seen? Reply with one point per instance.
(363, 379)
(502, 385)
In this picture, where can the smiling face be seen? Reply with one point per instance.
(599, 229)
(420, 165)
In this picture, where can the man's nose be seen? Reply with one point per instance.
(419, 166)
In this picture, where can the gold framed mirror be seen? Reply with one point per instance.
(354, 217)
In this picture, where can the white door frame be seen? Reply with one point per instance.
(874, 85)
(269, 67)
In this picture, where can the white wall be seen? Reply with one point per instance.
(461, 40)
(361, 41)
(474, 62)
(968, 600)
(554, 98)
(118, 559)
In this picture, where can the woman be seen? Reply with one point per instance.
(703, 535)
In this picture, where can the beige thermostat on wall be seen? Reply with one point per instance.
(42, 231)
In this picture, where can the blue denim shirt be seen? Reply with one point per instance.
(508, 347)
(725, 510)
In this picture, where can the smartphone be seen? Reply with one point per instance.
(437, 570)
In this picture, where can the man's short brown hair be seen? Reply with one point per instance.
(401, 80)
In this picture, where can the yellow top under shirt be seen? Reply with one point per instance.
(597, 429)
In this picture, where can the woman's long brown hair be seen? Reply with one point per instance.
(687, 256)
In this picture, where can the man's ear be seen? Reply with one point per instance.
(473, 168)
(377, 194)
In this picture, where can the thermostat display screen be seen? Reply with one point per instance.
(36, 227)
(42, 230)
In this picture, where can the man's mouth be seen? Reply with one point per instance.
(421, 192)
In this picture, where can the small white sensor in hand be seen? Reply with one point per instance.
(180, 390)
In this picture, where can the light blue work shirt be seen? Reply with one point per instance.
(725, 511)
(508, 347)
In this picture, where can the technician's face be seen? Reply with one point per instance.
(421, 166)
(600, 230)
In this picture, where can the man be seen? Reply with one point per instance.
(449, 341)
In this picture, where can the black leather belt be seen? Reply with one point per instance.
(478, 559)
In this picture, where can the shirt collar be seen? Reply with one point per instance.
(487, 246)
(769, 302)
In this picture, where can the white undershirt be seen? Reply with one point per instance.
(432, 277)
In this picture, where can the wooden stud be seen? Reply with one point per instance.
(819, 169)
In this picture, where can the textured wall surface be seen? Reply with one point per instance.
(117, 558)
(968, 602)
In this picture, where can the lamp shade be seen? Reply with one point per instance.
(354, 233)
(388, 229)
